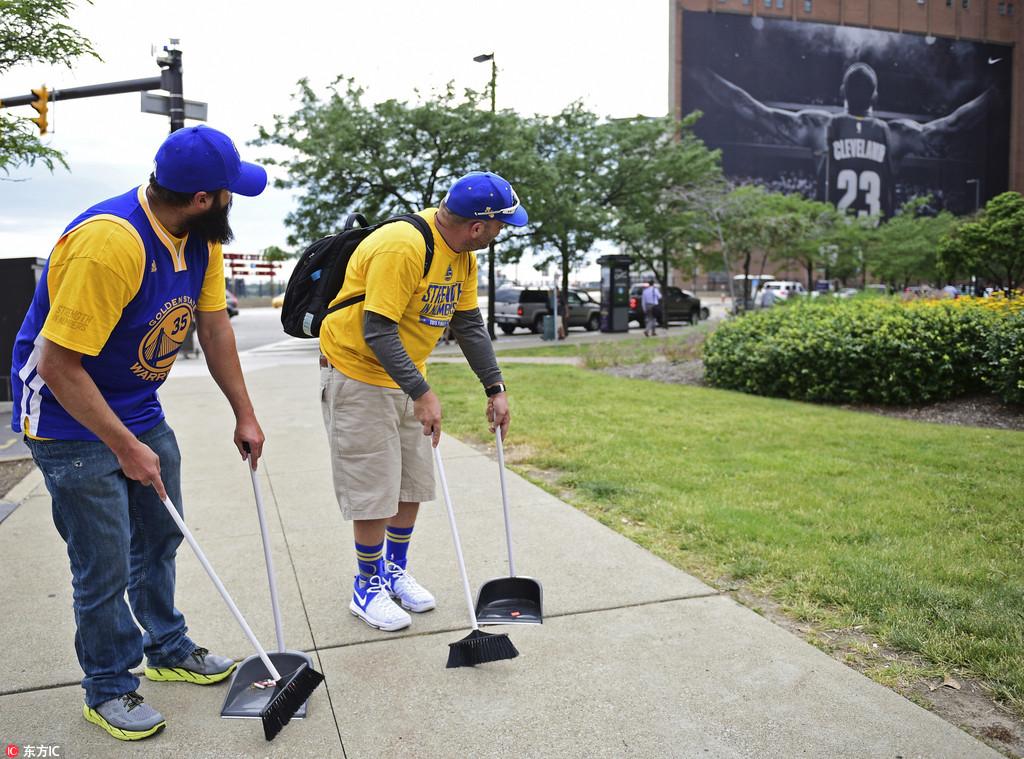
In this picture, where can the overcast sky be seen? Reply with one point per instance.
(244, 58)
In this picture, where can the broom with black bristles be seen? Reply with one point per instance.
(290, 691)
(478, 647)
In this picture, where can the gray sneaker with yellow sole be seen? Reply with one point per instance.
(200, 667)
(126, 717)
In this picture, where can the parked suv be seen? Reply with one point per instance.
(523, 307)
(678, 305)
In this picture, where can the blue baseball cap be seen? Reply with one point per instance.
(202, 159)
(483, 195)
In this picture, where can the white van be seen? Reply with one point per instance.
(780, 288)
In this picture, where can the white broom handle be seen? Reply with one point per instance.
(274, 604)
(455, 538)
(504, 498)
(221, 589)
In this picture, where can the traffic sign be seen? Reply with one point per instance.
(161, 105)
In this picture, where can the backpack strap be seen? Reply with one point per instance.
(428, 238)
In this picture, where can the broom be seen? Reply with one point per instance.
(290, 692)
(478, 647)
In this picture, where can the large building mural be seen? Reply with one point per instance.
(862, 118)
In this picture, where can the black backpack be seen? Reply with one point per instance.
(320, 273)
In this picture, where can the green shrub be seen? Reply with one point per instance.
(1003, 370)
(855, 351)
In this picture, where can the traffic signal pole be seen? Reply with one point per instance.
(170, 79)
(88, 91)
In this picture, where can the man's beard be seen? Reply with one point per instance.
(213, 225)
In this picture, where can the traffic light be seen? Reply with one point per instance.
(41, 104)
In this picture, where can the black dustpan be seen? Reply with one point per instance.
(509, 600)
(246, 697)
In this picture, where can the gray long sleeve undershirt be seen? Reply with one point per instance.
(381, 334)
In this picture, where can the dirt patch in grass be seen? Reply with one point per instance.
(975, 411)
(674, 372)
(978, 411)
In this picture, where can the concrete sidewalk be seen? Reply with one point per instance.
(635, 658)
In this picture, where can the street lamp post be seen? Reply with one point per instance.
(490, 249)
(977, 193)
(977, 207)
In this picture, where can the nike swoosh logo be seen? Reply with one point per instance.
(361, 599)
(993, 60)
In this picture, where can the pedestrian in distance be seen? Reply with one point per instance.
(767, 297)
(651, 299)
(380, 414)
(116, 299)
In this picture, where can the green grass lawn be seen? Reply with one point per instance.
(913, 530)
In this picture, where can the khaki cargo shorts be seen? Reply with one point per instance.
(379, 454)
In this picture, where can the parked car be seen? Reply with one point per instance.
(678, 305)
(526, 307)
(232, 303)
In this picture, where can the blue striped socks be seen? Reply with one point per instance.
(370, 560)
(398, 544)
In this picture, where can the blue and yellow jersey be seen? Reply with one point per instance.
(121, 290)
(388, 267)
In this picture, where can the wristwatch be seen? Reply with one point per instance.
(495, 389)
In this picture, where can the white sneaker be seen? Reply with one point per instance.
(371, 602)
(409, 593)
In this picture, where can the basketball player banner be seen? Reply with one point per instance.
(862, 118)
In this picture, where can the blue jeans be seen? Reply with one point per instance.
(119, 537)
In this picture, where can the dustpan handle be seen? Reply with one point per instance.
(267, 554)
(504, 498)
(455, 539)
(221, 589)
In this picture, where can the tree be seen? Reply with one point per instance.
(33, 31)
(567, 202)
(714, 206)
(809, 225)
(274, 253)
(846, 247)
(383, 159)
(991, 244)
(754, 221)
(905, 248)
(740, 223)
(654, 169)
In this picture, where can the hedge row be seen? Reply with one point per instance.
(1004, 361)
(871, 351)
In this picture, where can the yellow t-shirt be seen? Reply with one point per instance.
(388, 267)
(96, 270)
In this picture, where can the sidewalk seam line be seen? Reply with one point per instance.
(443, 631)
(305, 612)
(426, 633)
